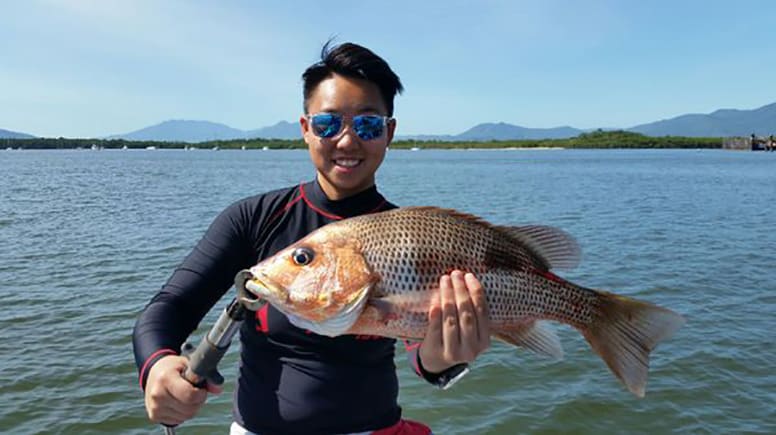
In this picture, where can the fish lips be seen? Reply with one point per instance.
(251, 287)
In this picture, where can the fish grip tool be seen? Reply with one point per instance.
(204, 359)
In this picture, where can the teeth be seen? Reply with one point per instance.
(346, 163)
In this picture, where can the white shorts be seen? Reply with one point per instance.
(236, 429)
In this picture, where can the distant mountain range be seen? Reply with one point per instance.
(8, 134)
(721, 123)
(202, 131)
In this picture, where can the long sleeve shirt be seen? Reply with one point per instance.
(290, 380)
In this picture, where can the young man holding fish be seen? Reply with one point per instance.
(293, 380)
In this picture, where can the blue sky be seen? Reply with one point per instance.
(94, 68)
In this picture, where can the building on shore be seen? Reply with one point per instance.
(751, 143)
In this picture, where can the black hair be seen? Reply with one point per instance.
(354, 61)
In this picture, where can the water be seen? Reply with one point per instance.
(87, 237)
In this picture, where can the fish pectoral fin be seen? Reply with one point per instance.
(383, 307)
(537, 336)
(338, 324)
(397, 302)
(558, 249)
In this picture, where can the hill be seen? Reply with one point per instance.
(720, 123)
(8, 134)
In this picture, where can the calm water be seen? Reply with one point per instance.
(87, 237)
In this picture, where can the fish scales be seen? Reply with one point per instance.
(419, 250)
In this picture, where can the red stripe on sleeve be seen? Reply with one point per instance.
(152, 358)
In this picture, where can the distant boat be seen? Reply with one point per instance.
(124, 147)
(96, 147)
(151, 148)
(265, 148)
(216, 148)
(414, 149)
(243, 148)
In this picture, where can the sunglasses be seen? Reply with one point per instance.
(330, 125)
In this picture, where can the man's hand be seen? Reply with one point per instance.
(459, 323)
(169, 398)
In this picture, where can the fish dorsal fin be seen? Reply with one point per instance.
(555, 247)
(336, 325)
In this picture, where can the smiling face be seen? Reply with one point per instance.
(346, 164)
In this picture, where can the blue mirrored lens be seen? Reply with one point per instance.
(368, 127)
(326, 124)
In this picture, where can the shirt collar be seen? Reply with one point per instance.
(366, 201)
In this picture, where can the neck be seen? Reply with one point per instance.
(335, 194)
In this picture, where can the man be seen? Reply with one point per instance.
(290, 380)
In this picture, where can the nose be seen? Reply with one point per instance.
(348, 137)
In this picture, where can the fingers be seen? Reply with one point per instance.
(169, 398)
(482, 312)
(434, 332)
(466, 321)
(451, 337)
(459, 323)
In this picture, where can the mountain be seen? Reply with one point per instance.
(184, 131)
(504, 131)
(429, 137)
(8, 134)
(202, 131)
(281, 130)
(724, 122)
(720, 123)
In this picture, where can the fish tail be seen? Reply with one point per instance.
(624, 331)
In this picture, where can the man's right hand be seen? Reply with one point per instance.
(169, 398)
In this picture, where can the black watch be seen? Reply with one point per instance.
(446, 378)
(449, 377)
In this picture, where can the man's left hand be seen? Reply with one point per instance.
(459, 323)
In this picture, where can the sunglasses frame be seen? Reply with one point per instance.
(348, 119)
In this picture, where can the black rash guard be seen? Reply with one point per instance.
(290, 380)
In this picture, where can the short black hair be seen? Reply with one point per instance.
(354, 61)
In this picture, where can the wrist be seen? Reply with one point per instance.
(150, 363)
(446, 377)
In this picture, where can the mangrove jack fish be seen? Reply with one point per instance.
(375, 275)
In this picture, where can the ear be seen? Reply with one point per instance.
(304, 126)
(391, 130)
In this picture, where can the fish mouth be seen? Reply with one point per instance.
(252, 289)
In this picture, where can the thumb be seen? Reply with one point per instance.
(214, 388)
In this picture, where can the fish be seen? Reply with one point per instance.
(375, 275)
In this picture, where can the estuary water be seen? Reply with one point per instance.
(87, 238)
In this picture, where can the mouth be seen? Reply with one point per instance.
(347, 163)
(252, 289)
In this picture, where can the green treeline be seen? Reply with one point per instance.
(596, 139)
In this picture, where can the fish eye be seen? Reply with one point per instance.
(302, 256)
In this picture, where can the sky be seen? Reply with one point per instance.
(95, 68)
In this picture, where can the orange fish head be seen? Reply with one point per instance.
(319, 278)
